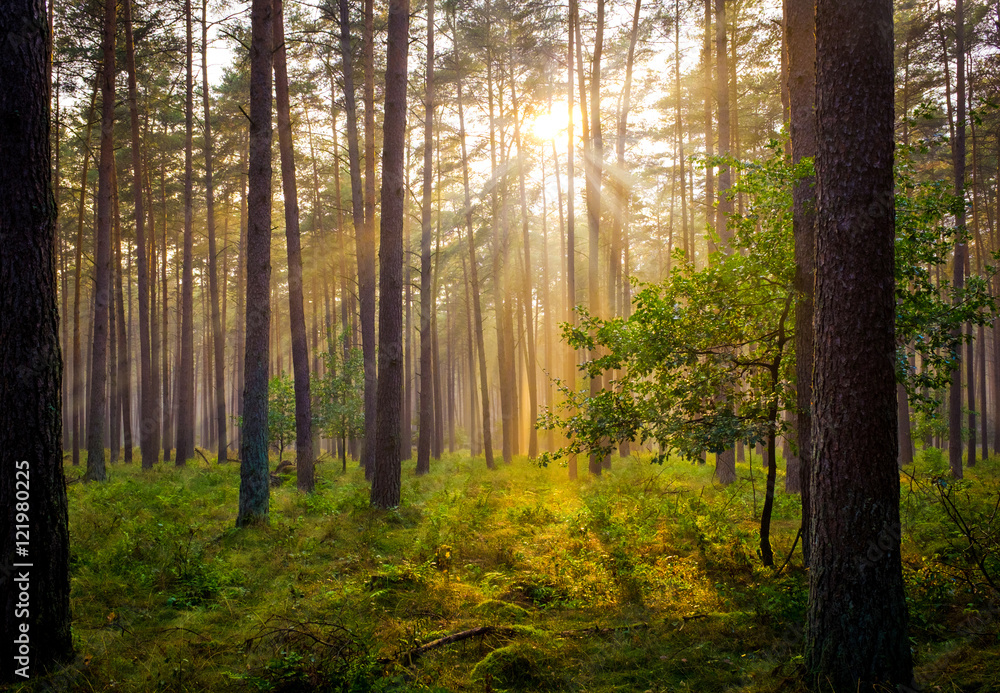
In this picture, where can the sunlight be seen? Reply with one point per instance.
(549, 124)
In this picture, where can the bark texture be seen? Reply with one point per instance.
(857, 618)
(254, 477)
(30, 359)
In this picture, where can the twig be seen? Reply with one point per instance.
(794, 544)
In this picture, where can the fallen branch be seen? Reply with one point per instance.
(580, 632)
(203, 457)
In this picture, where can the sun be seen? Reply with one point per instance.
(549, 124)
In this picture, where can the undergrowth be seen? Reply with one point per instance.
(646, 579)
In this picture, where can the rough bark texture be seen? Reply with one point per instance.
(571, 366)
(961, 259)
(185, 374)
(254, 477)
(304, 459)
(857, 618)
(800, 25)
(31, 476)
(386, 473)
(102, 260)
(218, 335)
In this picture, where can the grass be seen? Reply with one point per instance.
(646, 579)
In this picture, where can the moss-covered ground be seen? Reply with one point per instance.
(645, 579)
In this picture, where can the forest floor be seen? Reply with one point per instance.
(646, 579)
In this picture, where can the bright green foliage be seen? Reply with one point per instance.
(707, 357)
(339, 407)
(702, 361)
(280, 412)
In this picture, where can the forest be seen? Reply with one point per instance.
(483, 345)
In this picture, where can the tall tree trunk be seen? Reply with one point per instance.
(30, 360)
(219, 337)
(185, 377)
(531, 360)
(426, 431)
(725, 462)
(124, 391)
(857, 617)
(167, 408)
(304, 471)
(238, 358)
(709, 136)
(386, 475)
(961, 254)
(622, 186)
(102, 257)
(149, 417)
(474, 280)
(571, 359)
(254, 477)
(800, 25)
(366, 243)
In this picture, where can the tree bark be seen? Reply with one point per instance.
(366, 242)
(427, 430)
(185, 376)
(386, 474)
(857, 618)
(304, 470)
(30, 360)
(102, 258)
(149, 416)
(800, 26)
(961, 249)
(219, 337)
(725, 461)
(254, 476)
(571, 359)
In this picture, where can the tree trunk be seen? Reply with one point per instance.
(532, 365)
(386, 474)
(857, 619)
(149, 416)
(709, 137)
(185, 377)
(426, 414)
(304, 471)
(102, 258)
(30, 361)
(219, 341)
(571, 358)
(800, 25)
(474, 280)
(254, 476)
(122, 364)
(961, 252)
(366, 249)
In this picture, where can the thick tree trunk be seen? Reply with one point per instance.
(30, 362)
(386, 474)
(857, 618)
(219, 337)
(426, 414)
(304, 471)
(102, 258)
(254, 476)
(122, 364)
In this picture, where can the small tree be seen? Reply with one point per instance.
(280, 412)
(340, 406)
(729, 329)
